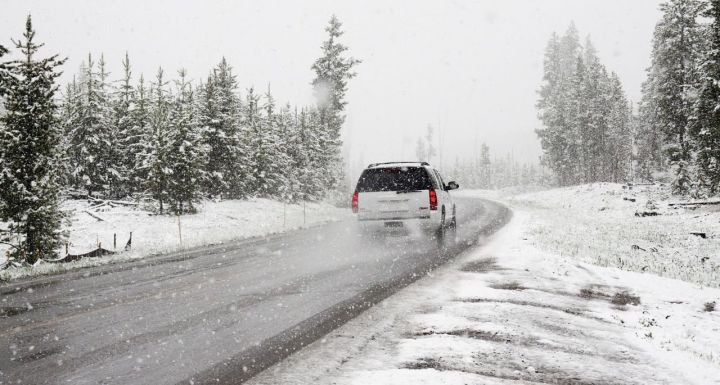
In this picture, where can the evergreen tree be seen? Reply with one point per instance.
(155, 157)
(112, 156)
(92, 136)
(29, 154)
(292, 150)
(332, 70)
(577, 131)
(595, 136)
(648, 139)
(261, 152)
(137, 138)
(559, 134)
(68, 117)
(485, 167)
(186, 153)
(424, 148)
(675, 51)
(313, 183)
(585, 117)
(206, 117)
(219, 117)
(420, 150)
(4, 75)
(706, 127)
(273, 129)
(123, 124)
(618, 154)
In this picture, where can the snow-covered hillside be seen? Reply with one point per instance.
(215, 222)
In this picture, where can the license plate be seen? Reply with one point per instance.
(393, 224)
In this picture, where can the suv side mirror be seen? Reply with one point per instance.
(452, 185)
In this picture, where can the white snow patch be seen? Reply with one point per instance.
(597, 223)
(216, 222)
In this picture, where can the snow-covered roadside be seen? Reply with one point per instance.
(630, 227)
(216, 222)
(511, 313)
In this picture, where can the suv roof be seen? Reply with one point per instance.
(397, 164)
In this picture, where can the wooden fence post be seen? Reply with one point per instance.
(179, 230)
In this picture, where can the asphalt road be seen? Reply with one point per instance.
(218, 314)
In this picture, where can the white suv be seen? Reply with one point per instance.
(404, 194)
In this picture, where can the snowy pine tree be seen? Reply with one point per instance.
(155, 158)
(219, 117)
(484, 168)
(311, 168)
(92, 134)
(618, 149)
(272, 131)
(705, 128)
(332, 70)
(577, 131)
(29, 154)
(123, 125)
(675, 51)
(291, 152)
(137, 137)
(69, 110)
(649, 157)
(186, 155)
(594, 134)
(557, 136)
(112, 159)
(260, 151)
(4, 75)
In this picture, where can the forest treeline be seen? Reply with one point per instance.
(586, 133)
(589, 131)
(168, 139)
(489, 172)
(679, 115)
(483, 170)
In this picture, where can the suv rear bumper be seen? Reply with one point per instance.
(429, 222)
(393, 219)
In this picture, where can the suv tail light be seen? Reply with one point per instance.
(355, 202)
(433, 199)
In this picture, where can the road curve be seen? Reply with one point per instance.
(218, 314)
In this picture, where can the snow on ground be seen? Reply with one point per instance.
(597, 223)
(216, 222)
(511, 313)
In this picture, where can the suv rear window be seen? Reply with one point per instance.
(394, 179)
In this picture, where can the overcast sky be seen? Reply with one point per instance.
(469, 68)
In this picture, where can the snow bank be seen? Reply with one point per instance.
(216, 222)
(604, 224)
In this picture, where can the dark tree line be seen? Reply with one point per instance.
(166, 139)
(586, 133)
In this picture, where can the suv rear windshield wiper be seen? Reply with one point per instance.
(407, 191)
